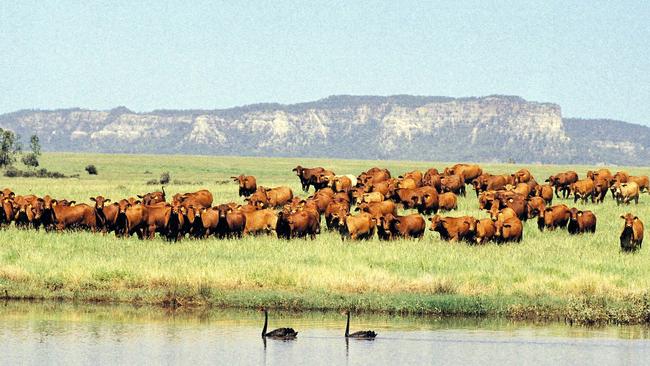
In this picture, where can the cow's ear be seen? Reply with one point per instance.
(93, 199)
(12, 195)
(54, 202)
(107, 200)
(579, 213)
(41, 200)
(636, 218)
(139, 196)
(623, 217)
(72, 203)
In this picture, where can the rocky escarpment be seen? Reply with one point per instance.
(493, 128)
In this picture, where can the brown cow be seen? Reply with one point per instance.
(407, 197)
(304, 223)
(583, 189)
(600, 173)
(480, 183)
(447, 201)
(342, 183)
(371, 197)
(153, 197)
(247, 184)
(553, 217)
(6, 211)
(642, 181)
(465, 171)
(508, 230)
(131, 218)
(72, 217)
(483, 230)
(414, 175)
(307, 176)
(581, 222)
(626, 192)
(410, 226)
(546, 192)
(453, 183)
(158, 216)
(259, 220)
(535, 206)
(497, 214)
(202, 198)
(430, 177)
(378, 209)
(357, 227)
(452, 228)
(340, 209)
(231, 222)
(601, 186)
(562, 181)
(100, 205)
(373, 176)
(428, 200)
(496, 182)
(632, 235)
(271, 197)
(523, 176)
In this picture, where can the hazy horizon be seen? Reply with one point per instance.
(591, 59)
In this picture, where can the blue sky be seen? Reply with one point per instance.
(592, 58)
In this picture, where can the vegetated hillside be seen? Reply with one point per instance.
(492, 128)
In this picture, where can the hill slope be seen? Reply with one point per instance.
(492, 128)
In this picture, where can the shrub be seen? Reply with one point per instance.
(91, 169)
(30, 160)
(165, 178)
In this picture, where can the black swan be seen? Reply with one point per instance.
(280, 333)
(363, 334)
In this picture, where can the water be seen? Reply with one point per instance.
(51, 333)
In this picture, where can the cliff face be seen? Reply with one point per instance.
(493, 128)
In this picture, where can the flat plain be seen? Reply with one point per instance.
(549, 275)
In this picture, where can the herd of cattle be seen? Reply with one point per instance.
(375, 194)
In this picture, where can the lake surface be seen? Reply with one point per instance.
(65, 334)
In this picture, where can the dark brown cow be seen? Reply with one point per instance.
(583, 189)
(508, 230)
(452, 228)
(581, 222)
(447, 201)
(153, 197)
(307, 176)
(632, 234)
(562, 182)
(553, 217)
(453, 183)
(247, 184)
(408, 227)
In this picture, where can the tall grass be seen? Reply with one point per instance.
(550, 274)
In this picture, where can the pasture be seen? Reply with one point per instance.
(550, 274)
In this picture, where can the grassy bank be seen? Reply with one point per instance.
(582, 279)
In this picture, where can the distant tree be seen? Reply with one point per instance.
(31, 159)
(9, 148)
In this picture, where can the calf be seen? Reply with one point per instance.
(452, 228)
(581, 222)
(632, 235)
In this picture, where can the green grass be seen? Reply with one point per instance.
(584, 279)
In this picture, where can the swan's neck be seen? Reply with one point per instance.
(266, 322)
(347, 326)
